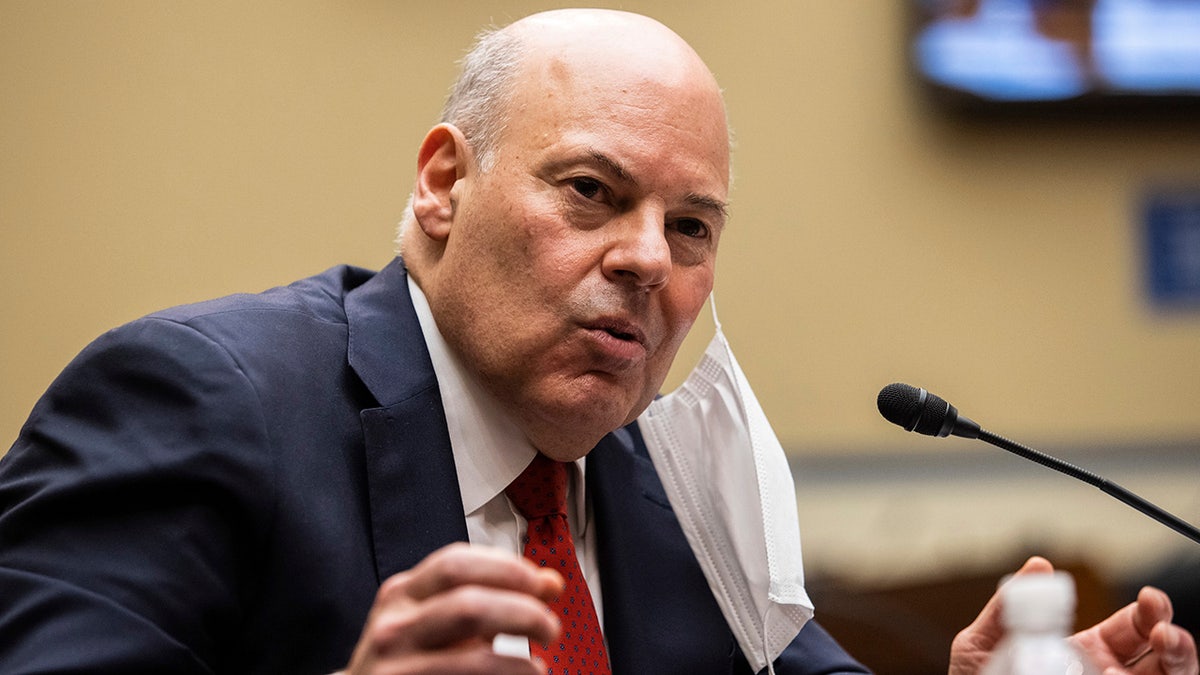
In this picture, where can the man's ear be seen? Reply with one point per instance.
(442, 161)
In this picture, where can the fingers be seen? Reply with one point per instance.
(459, 615)
(1126, 634)
(1035, 565)
(460, 564)
(1175, 648)
(1171, 650)
(441, 616)
(1152, 607)
(1140, 639)
(476, 661)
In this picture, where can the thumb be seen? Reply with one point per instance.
(990, 620)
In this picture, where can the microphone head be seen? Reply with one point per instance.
(916, 410)
(899, 403)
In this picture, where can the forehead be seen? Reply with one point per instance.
(656, 113)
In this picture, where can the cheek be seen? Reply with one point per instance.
(681, 310)
(695, 287)
(558, 259)
(507, 245)
(678, 331)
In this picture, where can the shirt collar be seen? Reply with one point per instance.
(490, 451)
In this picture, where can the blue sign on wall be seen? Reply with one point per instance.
(1173, 248)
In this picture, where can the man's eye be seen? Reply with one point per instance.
(589, 188)
(690, 227)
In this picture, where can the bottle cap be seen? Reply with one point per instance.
(1039, 601)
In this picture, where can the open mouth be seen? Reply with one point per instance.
(618, 344)
(624, 331)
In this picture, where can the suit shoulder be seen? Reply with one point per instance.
(320, 298)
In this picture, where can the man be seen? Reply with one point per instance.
(276, 483)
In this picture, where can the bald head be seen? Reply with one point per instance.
(525, 53)
(608, 36)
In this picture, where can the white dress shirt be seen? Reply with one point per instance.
(490, 451)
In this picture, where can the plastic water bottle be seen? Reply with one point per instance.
(1038, 610)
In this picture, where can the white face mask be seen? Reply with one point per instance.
(729, 483)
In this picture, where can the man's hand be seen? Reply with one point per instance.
(441, 616)
(1138, 639)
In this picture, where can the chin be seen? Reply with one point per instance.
(554, 446)
(584, 424)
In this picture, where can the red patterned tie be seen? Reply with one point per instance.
(540, 494)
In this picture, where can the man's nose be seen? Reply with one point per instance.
(638, 252)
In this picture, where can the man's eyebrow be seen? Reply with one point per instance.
(707, 203)
(614, 167)
(716, 206)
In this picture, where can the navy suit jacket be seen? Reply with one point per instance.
(221, 488)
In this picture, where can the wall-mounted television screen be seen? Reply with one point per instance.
(1058, 53)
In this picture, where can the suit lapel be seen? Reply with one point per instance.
(659, 615)
(412, 486)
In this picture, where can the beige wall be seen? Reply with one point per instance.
(153, 153)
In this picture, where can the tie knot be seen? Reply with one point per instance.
(541, 489)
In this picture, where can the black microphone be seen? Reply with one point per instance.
(920, 411)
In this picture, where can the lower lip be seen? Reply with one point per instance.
(617, 353)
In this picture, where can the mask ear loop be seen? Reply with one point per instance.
(766, 656)
(712, 304)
